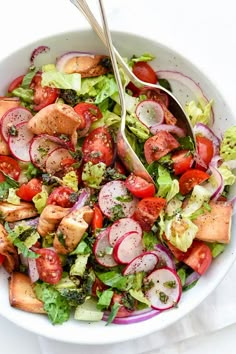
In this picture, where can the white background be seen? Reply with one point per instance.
(204, 31)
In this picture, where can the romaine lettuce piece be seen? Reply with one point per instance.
(228, 177)
(71, 180)
(40, 200)
(199, 113)
(93, 174)
(228, 144)
(61, 80)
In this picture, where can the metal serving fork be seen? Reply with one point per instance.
(124, 149)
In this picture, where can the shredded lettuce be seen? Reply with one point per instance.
(93, 174)
(174, 189)
(216, 248)
(149, 240)
(139, 295)
(199, 196)
(180, 231)
(71, 180)
(137, 128)
(79, 267)
(12, 197)
(130, 102)
(28, 78)
(109, 119)
(100, 87)
(40, 200)
(228, 177)
(61, 80)
(26, 95)
(164, 181)
(104, 299)
(228, 144)
(144, 57)
(198, 113)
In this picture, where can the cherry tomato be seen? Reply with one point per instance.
(98, 147)
(199, 257)
(190, 179)
(2, 258)
(43, 96)
(148, 210)
(139, 187)
(120, 168)
(159, 145)
(205, 150)
(145, 72)
(179, 255)
(183, 161)
(123, 311)
(88, 110)
(15, 83)
(49, 266)
(10, 167)
(28, 190)
(98, 286)
(66, 163)
(97, 220)
(61, 196)
(135, 90)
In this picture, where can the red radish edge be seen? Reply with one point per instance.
(14, 116)
(128, 247)
(19, 145)
(121, 227)
(150, 112)
(145, 262)
(100, 245)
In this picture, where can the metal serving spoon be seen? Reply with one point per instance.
(125, 151)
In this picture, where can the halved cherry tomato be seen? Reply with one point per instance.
(98, 147)
(49, 266)
(183, 161)
(123, 311)
(179, 255)
(15, 83)
(28, 190)
(61, 196)
(135, 90)
(159, 145)
(205, 150)
(43, 96)
(120, 168)
(190, 179)
(199, 258)
(98, 286)
(2, 258)
(139, 187)
(10, 167)
(89, 110)
(145, 72)
(148, 210)
(97, 220)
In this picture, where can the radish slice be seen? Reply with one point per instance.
(40, 147)
(111, 196)
(121, 227)
(100, 248)
(150, 112)
(167, 289)
(128, 247)
(54, 159)
(145, 262)
(19, 144)
(164, 256)
(14, 117)
(154, 129)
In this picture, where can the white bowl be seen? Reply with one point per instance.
(128, 44)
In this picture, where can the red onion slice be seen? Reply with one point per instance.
(39, 50)
(192, 85)
(133, 319)
(219, 187)
(83, 199)
(204, 130)
(192, 278)
(33, 270)
(169, 128)
(63, 59)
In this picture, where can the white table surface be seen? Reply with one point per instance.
(204, 31)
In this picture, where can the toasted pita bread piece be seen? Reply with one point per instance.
(10, 212)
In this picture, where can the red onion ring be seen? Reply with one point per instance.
(63, 59)
(83, 198)
(33, 270)
(192, 278)
(169, 128)
(133, 319)
(83, 132)
(219, 181)
(202, 129)
(186, 81)
(37, 51)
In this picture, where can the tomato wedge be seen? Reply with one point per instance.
(28, 190)
(49, 266)
(15, 83)
(148, 210)
(61, 196)
(10, 167)
(190, 179)
(43, 96)
(159, 145)
(205, 150)
(199, 258)
(183, 161)
(97, 220)
(2, 258)
(98, 147)
(88, 110)
(145, 72)
(139, 187)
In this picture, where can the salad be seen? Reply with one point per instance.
(81, 233)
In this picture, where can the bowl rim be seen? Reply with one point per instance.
(196, 302)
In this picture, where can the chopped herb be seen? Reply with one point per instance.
(113, 313)
(61, 238)
(147, 285)
(125, 198)
(163, 297)
(170, 284)
(12, 130)
(117, 212)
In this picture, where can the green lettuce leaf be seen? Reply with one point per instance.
(139, 295)
(198, 113)
(104, 299)
(56, 306)
(199, 196)
(228, 177)
(40, 200)
(93, 174)
(100, 87)
(71, 180)
(12, 197)
(26, 95)
(164, 181)
(61, 80)
(137, 128)
(116, 280)
(79, 267)
(216, 248)
(228, 144)
(144, 57)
